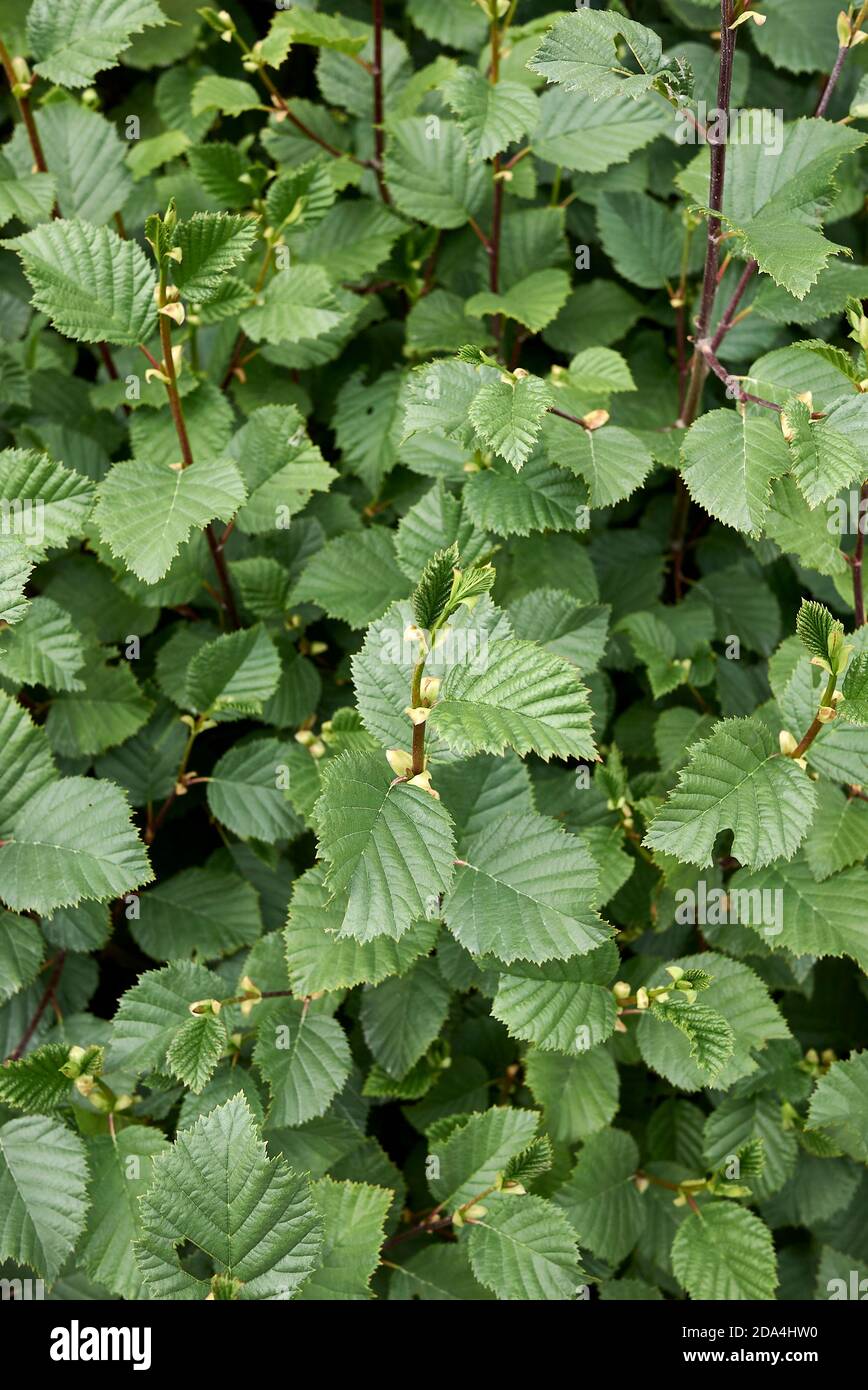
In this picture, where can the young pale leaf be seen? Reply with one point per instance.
(94, 287)
(218, 1189)
(196, 1049)
(432, 593)
(526, 892)
(724, 1251)
(737, 780)
(389, 847)
(211, 243)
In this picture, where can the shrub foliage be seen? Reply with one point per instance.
(433, 661)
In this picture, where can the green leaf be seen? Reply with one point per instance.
(532, 302)
(738, 780)
(612, 461)
(539, 497)
(305, 1059)
(21, 953)
(92, 285)
(27, 197)
(563, 1006)
(235, 674)
(579, 1094)
(297, 304)
(354, 577)
(854, 706)
(729, 462)
(16, 564)
(27, 765)
(522, 697)
(122, 1168)
(247, 791)
(45, 649)
(581, 53)
(353, 1217)
(106, 707)
(35, 1084)
(507, 416)
(153, 1010)
(207, 911)
(319, 959)
(211, 243)
(776, 206)
(526, 891)
(73, 42)
(432, 179)
(588, 135)
(724, 1251)
(491, 116)
(600, 1198)
(227, 94)
(308, 27)
(196, 1049)
(146, 511)
(824, 461)
(523, 1249)
(46, 502)
(389, 847)
(472, 1156)
(838, 1106)
(280, 466)
(402, 1016)
(218, 1190)
(72, 840)
(43, 1182)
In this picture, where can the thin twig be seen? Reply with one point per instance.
(377, 74)
(53, 982)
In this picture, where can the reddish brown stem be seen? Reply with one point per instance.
(48, 995)
(377, 74)
(858, 554)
